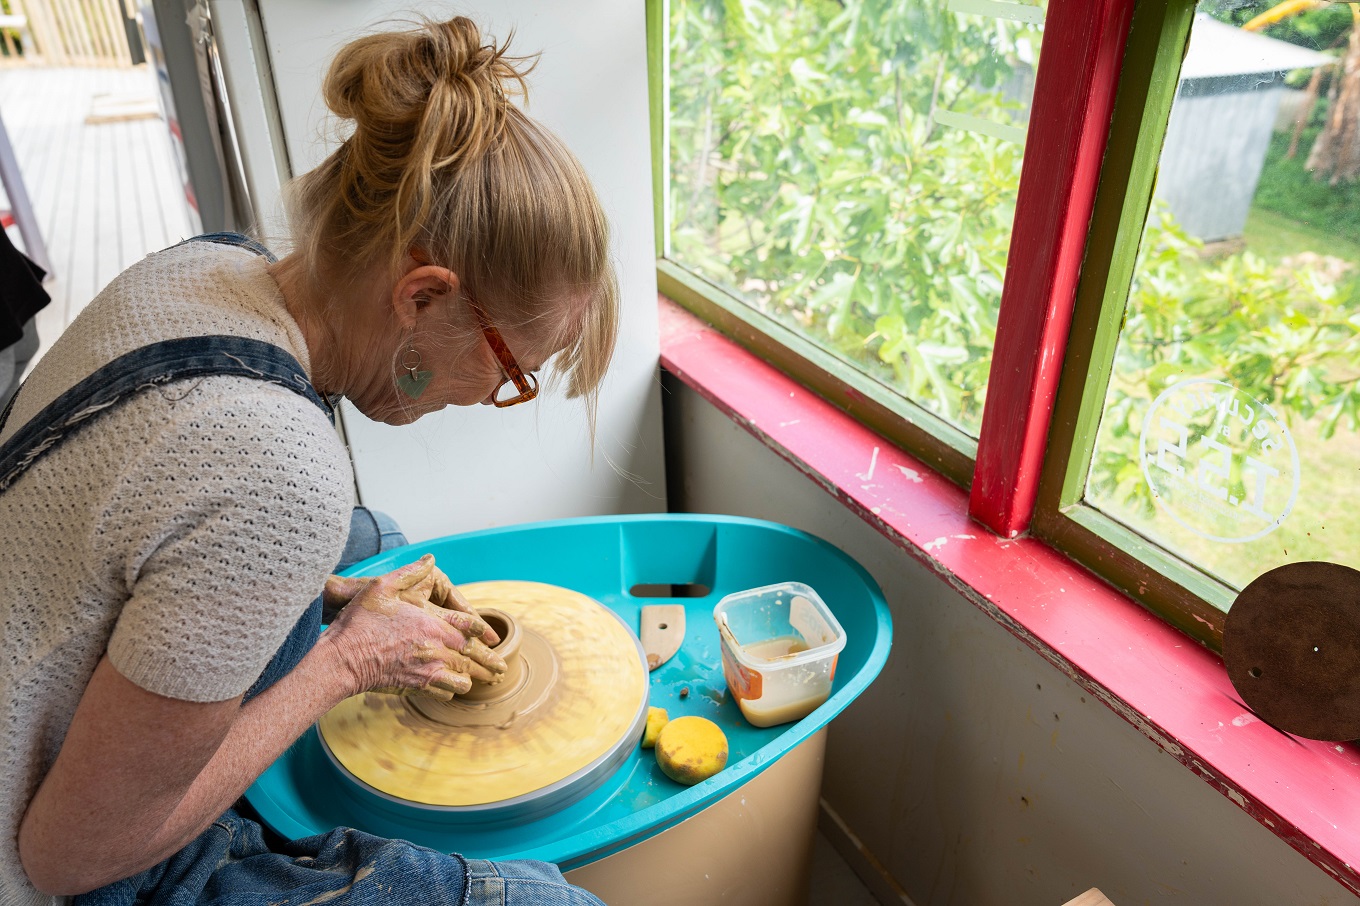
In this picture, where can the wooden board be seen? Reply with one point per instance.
(109, 108)
(1091, 897)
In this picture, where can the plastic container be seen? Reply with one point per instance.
(779, 649)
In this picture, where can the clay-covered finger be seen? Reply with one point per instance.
(458, 663)
(475, 649)
(412, 573)
(469, 624)
(346, 587)
(479, 652)
(451, 682)
(448, 596)
(490, 635)
(434, 691)
(441, 589)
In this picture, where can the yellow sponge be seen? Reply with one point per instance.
(691, 749)
(656, 719)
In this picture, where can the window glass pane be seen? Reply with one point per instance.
(849, 168)
(1229, 433)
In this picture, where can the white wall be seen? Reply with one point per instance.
(474, 467)
(971, 769)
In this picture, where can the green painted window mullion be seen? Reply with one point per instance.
(1173, 589)
(1152, 68)
(1158, 560)
(658, 93)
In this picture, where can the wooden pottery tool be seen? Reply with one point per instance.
(1291, 644)
(663, 631)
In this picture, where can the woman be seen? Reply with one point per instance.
(176, 520)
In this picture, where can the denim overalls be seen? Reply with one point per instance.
(235, 862)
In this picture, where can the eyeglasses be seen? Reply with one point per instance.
(524, 384)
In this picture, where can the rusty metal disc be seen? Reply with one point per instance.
(1292, 647)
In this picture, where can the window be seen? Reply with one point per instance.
(846, 173)
(841, 182)
(1214, 434)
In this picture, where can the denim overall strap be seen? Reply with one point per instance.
(235, 239)
(153, 366)
(143, 369)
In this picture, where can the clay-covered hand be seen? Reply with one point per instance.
(391, 637)
(444, 593)
(436, 588)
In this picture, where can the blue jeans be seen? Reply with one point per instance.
(370, 533)
(231, 864)
(236, 862)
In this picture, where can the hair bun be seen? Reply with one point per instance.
(433, 98)
(427, 97)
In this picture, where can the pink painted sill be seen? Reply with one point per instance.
(1167, 686)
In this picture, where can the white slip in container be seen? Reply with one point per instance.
(779, 649)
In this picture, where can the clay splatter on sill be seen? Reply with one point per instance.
(873, 464)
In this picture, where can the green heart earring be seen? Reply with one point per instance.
(414, 382)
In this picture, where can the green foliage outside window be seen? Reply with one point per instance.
(1285, 331)
(810, 178)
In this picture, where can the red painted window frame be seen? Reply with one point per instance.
(1074, 94)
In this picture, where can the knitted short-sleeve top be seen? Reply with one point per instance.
(183, 532)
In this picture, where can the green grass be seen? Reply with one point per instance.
(1274, 236)
(1287, 188)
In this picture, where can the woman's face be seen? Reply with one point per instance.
(461, 376)
(437, 321)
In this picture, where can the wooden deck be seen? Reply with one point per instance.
(105, 194)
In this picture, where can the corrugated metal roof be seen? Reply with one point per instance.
(1218, 49)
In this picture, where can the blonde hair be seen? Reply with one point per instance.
(441, 159)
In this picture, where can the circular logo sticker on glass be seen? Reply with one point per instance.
(1220, 462)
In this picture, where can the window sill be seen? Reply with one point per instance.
(1168, 687)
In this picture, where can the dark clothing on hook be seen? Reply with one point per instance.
(21, 297)
(21, 292)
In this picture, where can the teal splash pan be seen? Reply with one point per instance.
(614, 560)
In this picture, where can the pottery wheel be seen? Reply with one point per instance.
(575, 694)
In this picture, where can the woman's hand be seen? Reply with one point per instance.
(393, 636)
(435, 589)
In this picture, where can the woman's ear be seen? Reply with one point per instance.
(417, 289)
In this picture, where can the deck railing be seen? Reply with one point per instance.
(65, 32)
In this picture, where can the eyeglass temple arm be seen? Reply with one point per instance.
(501, 351)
